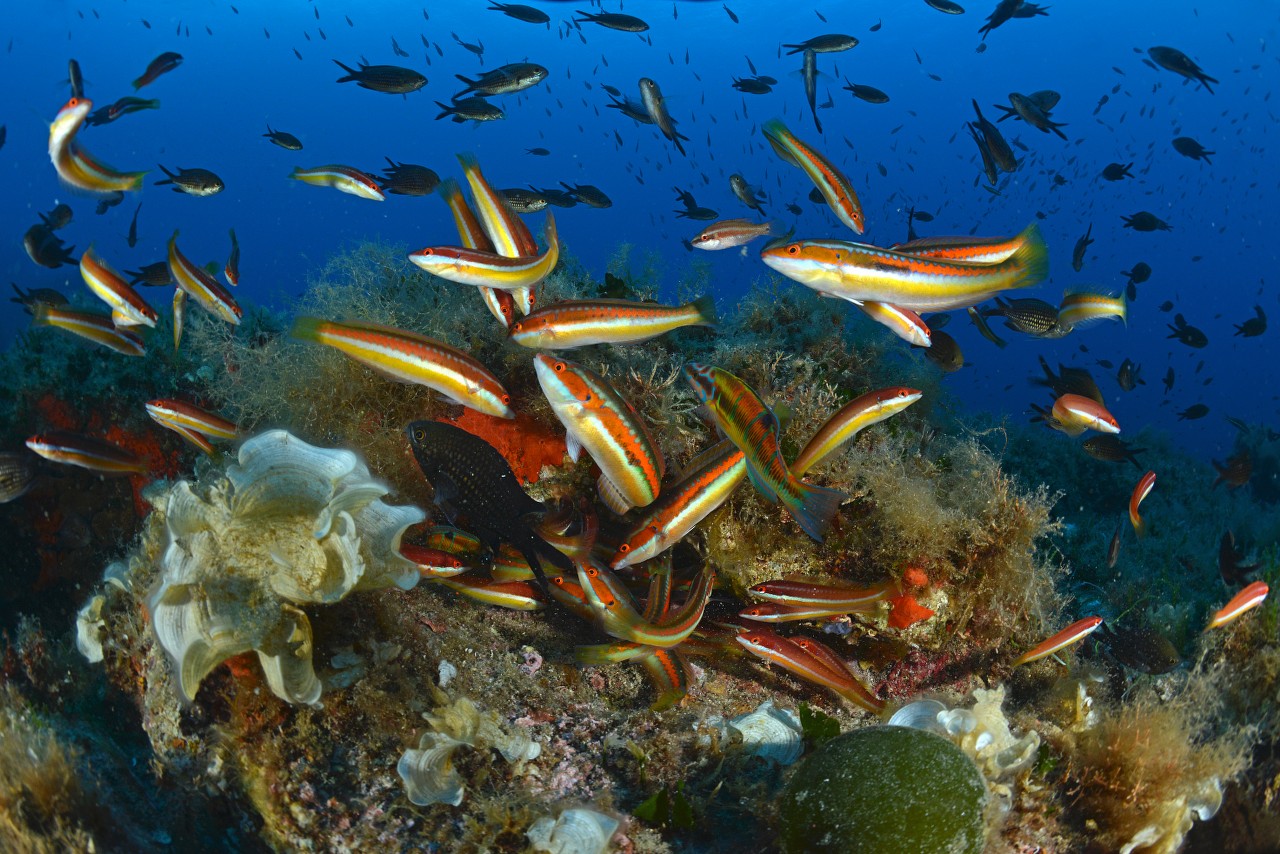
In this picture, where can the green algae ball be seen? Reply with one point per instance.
(885, 790)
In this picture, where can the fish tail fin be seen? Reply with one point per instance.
(1139, 526)
(40, 313)
(351, 72)
(705, 306)
(1031, 258)
(471, 84)
(169, 176)
(308, 329)
(813, 507)
(445, 110)
(552, 237)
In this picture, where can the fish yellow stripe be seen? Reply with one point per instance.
(202, 287)
(476, 267)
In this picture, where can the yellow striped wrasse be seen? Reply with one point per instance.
(728, 233)
(974, 250)
(197, 439)
(860, 272)
(754, 429)
(577, 323)
(830, 181)
(201, 286)
(795, 659)
(344, 178)
(179, 315)
(86, 452)
(903, 322)
(619, 618)
(232, 268)
(1080, 308)
(596, 417)
(827, 656)
(509, 565)
(515, 595)
(1073, 633)
(795, 591)
(76, 166)
(128, 308)
(179, 413)
(707, 483)
(506, 230)
(778, 612)
(454, 541)
(472, 235)
(90, 325)
(1073, 414)
(1248, 598)
(671, 675)
(411, 358)
(570, 532)
(859, 413)
(1139, 494)
(433, 563)
(476, 267)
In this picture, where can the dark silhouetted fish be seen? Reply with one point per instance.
(1186, 333)
(284, 140)
(520, 12)
(32, 297)
(1111, 449)
(1117, 171)
(870, 94)
(1188, 147)
(391, 79)
(614, 21)
(1193, 412)
(1129, 375)
(1146, 221)
(1236, 471)
(1254, 326)
(1172, 59)
(193, 182)
(1082, 245)
(408, 179)
(1230, 565)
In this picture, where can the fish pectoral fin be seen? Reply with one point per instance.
(572, 446)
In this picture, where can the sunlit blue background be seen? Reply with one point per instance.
(235, 80)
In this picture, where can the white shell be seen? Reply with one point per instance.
(89, 626)
(922, 714)
(576, 831)
(428, 773)
(290, 524)
(771, 733)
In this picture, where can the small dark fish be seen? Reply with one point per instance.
(470, 109)
(46, 248)
(588, 194)
(830, 43)
(1111, 449)
(614, 21)
(397, 50)
(515, 77)
(475, 487)
(537, 152)
(59, 217)
(524, 201)
(794, 209)
(1166, 306)
(1230, 566)
(133, 227)
(1129, 376)
(75, 78)
(1172, 59)
(1186, 333)
(1168, 381)
(556, 197)
(193, 182)
(1188, 147)
(729, 12)
(1236, 471)
(520, 12)
(1117, 171)
(691, 208)
(988, 162)
(746, 194)
(870, 94)
(1030, 316)
(408, 179)
(1113, 550)
(162, 64)
(32, 297)
(945, 352)
(1191, 413)
(980, 321)
(17, 472)
(946, 7)
(1254, 326)
(1082, 245)
(1069, 381)
(155, 275)
(875, 28)
(477, 48)
(391, 79)
(1146, 221)
(1140, 647)
(996, 144)
(284, 140)
(110, 200)
(1002, 14)
(1139, 274)
(752, 86)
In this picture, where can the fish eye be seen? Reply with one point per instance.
(506, 398)
(587, 398)
(624, 548)
(793, 249)
(559, 367)
(419, 434)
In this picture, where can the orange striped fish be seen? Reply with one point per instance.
(343, 178)
(618, 617)
(507, 231)
(596, 417)
(86, 452)
(433, 563)
(793, 658)
(181, 414)
(202, 287)
(1140, 492)
(794, 591)
(411, 358)
(973, 250)
(98, 328)
(830, 181)
(1073, 414)
(1073, 633)
(903, 322)
(76, 166)
(476, 267)
(1247, 599)
(823, 654)
(577, 323)
(514, 595)
(728, 233)
(179, 315)
(778, 612)
(855, 416)
(754, 429)
(1080, 308)
(127, 307)
(708, 482)
(472, 235)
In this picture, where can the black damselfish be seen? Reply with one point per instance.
(473, 481)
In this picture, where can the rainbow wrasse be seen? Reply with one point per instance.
(830, 181)
(856, 415)
(86, 452)
(78, 167)
(577, 323)
(754, 429)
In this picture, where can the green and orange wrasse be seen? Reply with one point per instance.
(433, 563)
(903, 322)
(98, 328)
(200, 441)
(407, 357)
(513, 595)
(344, 178)
(176, 414)
(778, 612)
(797, 591)
(671, 675)
(619, 618)
(201, 286)
(1145, 484)
(795, 659)
(179, 315)
(509, 565)
(1247, 599)
(972, 250)
(1080, 308)
(708, 481)
(852, 418)
(162, 64)
(596, 417)
(754, 429)
(232, 269)
(454, 541)
(577, 323)
(76, 166)
(488, 269)
(506, 230)
(859, 272)
(1073, 633)
(128, 308)
(570, 532)
(86, 452)
(611, 653)
(830, 181)
(473, 236)
(569, 593)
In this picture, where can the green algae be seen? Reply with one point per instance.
(885, 790)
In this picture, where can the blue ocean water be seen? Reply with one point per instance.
(240, 73)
